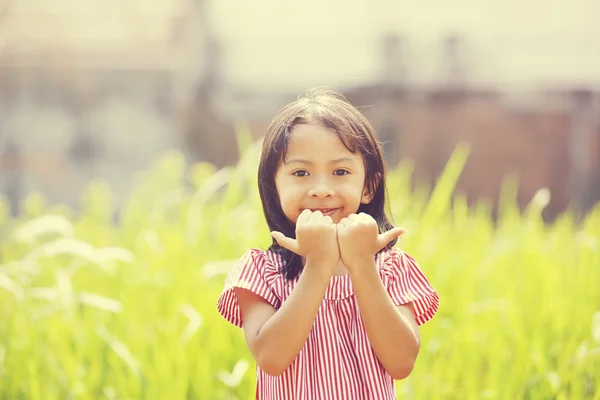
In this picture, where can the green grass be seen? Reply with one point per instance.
(90, 310)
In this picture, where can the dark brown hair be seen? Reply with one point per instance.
(332, 111)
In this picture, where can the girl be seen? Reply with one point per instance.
(331, 310)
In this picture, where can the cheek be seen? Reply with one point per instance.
(289, 201)
(286, 196)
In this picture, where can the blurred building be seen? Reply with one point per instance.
(100, 90)
(546, 136)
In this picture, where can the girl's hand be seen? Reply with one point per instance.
(316, 240)
(359, 240)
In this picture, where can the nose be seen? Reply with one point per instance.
(321, 190)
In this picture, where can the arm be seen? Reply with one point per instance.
(392, 330)
(275, 337)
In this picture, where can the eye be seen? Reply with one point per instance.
(341, 172)
(300, 173)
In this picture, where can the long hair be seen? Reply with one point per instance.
(332, 111)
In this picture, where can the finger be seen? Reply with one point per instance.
(285, 242)
(386, 237)
(327, 220)
(365, 217)
(344, 222)
(354, 217)
(304, 216)
(316, 216)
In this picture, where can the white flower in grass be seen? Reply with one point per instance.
(10, 286)
(596, 327)
(99, 302)
(39, 227)
(234, 378)
(66, 246)
(192, 327)
(103, 257)
(120, 350)
(115, 254)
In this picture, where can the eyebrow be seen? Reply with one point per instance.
(307, 162)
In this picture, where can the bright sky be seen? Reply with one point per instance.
(314, 42)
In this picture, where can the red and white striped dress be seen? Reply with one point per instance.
(337, 361)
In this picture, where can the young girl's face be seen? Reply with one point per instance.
(320, 173)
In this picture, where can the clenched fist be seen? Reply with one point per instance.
(359, 240)
(316, 240)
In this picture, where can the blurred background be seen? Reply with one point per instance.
(102, 88)
(94, 91)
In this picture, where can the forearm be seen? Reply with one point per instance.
(282, 337)
(392, 335)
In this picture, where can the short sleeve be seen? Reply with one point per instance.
(249, 272)
(407, 283)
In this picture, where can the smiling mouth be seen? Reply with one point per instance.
(325, 211)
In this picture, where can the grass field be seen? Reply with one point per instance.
(92, 309)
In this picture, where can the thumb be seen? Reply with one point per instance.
(285, 242)
(386, 237)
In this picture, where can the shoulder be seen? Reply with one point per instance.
(265, 261)
(390, 256)
(251, 255)
(406, 283)
(253, 271)
(393, 261)
(256, 270)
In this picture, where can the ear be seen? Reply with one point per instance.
(367, 196)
